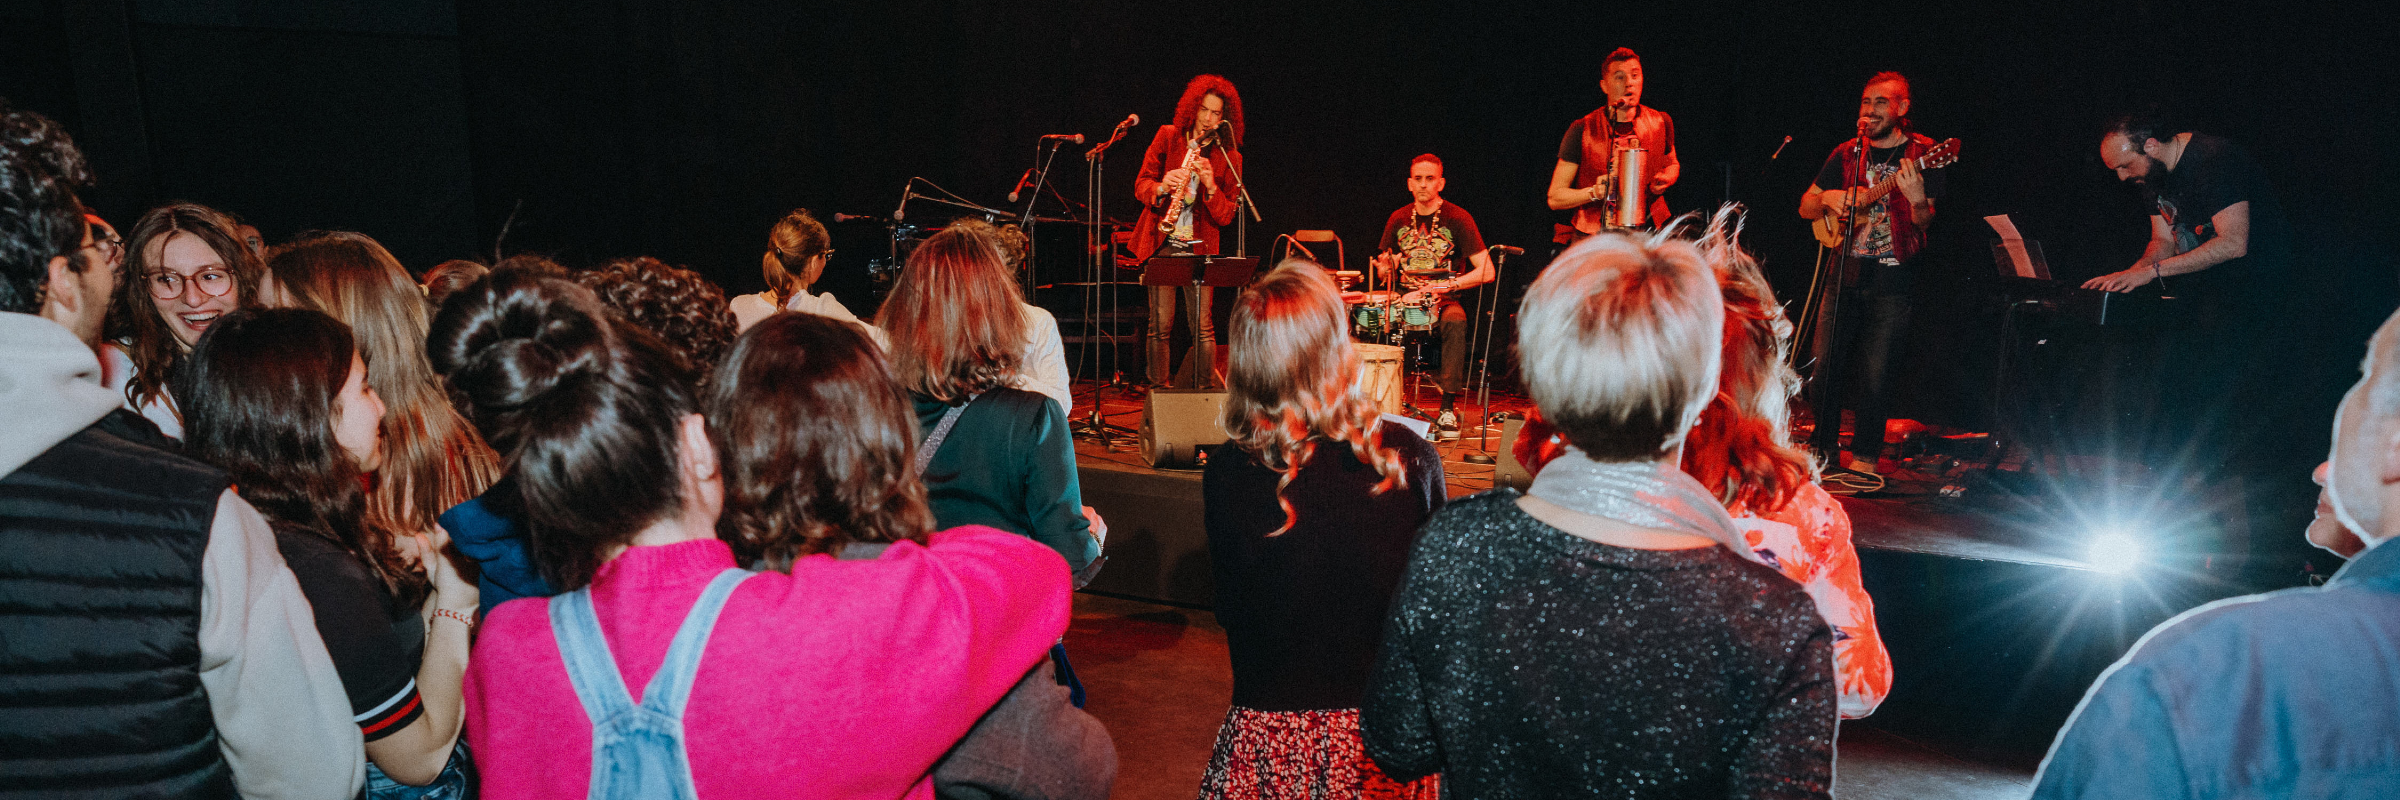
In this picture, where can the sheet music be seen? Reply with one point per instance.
(2019, 261)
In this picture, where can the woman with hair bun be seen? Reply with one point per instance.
(280, 399)
(1311, 509)
(817, 678)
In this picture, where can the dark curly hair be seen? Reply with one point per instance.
(685, 310)
(40, 217)
(1201, 87)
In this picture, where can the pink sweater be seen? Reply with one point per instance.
(844, 679)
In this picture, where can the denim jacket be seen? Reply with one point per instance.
(2289, 694)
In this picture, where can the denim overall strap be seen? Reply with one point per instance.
(673, 683)
(590, 667)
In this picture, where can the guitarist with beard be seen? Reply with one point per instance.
(1881, 243)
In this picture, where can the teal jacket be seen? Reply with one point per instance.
(1009, 463)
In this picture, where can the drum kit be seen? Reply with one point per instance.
(1384, 323)
(1388, 317)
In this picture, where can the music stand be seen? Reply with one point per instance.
(1191, 271)
(1211, 271)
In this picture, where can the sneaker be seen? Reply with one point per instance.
(1446, 426)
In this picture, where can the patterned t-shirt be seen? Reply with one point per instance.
(1445, 238)
(1874, 237)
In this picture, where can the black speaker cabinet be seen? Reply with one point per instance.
(1176, 424)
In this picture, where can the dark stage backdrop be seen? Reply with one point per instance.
(683, 129)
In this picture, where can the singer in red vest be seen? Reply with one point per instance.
(1186, 188)
(1589, 148)
(1885, 242)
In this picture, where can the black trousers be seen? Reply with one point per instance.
(1856, 372)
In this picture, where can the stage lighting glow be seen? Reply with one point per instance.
(2113, 552)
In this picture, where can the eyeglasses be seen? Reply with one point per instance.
(213, 282)
(104, 239)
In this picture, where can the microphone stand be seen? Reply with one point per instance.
(1483, 381)
(1026, 219)
(1829, 377)
(1100, 252)
(1242, 191)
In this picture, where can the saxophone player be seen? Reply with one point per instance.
(1187, 195)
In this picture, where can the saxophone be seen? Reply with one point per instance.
(1191, 156)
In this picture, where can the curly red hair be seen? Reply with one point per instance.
(1202, 86)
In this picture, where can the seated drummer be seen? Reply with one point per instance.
(1434, 234)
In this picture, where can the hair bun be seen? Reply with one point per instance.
(513, 337)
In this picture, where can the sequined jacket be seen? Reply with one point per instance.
(1523, 661)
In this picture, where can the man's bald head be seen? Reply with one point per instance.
(2365, 464)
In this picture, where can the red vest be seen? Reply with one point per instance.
(1650, 126)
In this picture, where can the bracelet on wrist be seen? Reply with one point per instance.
(463, 619)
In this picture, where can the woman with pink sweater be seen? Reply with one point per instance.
(667, 670)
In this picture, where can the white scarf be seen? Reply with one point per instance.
(1643, 494)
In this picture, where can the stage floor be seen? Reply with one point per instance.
(1908, 515)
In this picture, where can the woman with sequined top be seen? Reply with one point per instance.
(1609, 634)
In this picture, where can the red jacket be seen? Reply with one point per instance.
(1216, 209)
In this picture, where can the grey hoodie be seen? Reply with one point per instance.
(283, 721)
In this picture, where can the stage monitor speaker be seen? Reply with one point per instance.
(1509, 472)
(1176, 424)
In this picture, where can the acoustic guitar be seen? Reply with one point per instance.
(1829, 228)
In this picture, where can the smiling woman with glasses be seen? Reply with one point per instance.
(194, 269)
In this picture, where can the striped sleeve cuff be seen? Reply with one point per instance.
(393, 714)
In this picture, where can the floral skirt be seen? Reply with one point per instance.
(1300, 755)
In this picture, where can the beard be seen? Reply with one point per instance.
(2152, 171)
(1878, 130)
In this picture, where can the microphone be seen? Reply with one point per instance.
(1130, 121)
(1787, 142)
(1070, 138)
(856, 218)
(901, 213)
(1507, 250)
(1022, 182)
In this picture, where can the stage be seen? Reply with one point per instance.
(1992, 604)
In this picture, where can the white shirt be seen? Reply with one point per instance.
(1044, 368)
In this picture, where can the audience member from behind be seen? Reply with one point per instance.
(2283, 694)
(838, 679)
(1310, 511)
(432, 459)
(1742, 452)
(1043, 370)
(684, 310)
(174, 657)
(490, 529)
(1611, 634)
(447, 277)
(996, 456)
(797, 248)
(798, 490)
(187, 267)
(280, 400)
